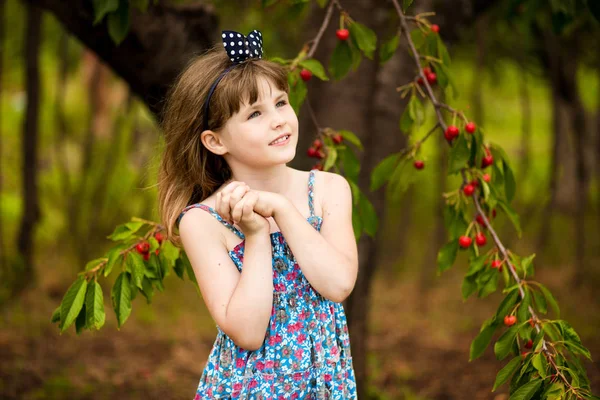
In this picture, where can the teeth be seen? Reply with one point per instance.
(283, 139)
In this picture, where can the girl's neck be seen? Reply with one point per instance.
(277, 179)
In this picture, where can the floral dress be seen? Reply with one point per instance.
(306, 351)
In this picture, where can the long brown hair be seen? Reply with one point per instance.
(189, 172)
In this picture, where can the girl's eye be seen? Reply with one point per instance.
(282, 102)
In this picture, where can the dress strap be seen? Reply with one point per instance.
(215, 214)
(311, 184)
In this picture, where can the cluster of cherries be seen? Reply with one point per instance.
(316, 150)
(143, 247)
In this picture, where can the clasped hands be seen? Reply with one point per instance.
(248, 208)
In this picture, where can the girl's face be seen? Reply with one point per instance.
(249, 134)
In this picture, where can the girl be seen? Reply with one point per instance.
(276, 294)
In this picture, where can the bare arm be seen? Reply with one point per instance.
(240, 303)
(329, 259)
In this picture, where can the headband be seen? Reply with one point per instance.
(239, 48)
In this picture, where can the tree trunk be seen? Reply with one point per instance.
(158, 45)
(31, 211)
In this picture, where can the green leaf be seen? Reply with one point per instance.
(417, 112)
(179, 268)
(382, 172)
(315, 67)
(55, 315)
(523, 310)
(341, 60)
(388, 48)
(402, 177)
(550, 299)
(443, 52)
(418, 37)
(147, 290)
(297, 93)
(72, 303)
(368, 216)
(476, 264)
(507, 304)
(512, 216)
(504, 344)
(459, 155)
(490, 286)
(121, 298)
(442, 77)
(406, 121)
(135, 265)
(447, 255)
(365, 38)
(454, 221)
(355, 193)
(482, 340)
(540, 302)
(526, 391)
(352, 138)
(118, 22)
(153, 269)
(322, 3)
(406, 4)
(349, 162)
(80, 321)
(94, 304)
(468, 287)
(331, 159)
(540, 363)
(103, 7)
(356, 222)
(507, 372)
(527, 265)
(114, 258)
(170, 252)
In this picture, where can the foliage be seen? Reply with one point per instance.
(546, 352)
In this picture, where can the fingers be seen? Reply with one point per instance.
(229, 197)
(237, 212)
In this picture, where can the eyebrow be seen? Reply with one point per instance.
(258, 104)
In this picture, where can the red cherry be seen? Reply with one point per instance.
(419, 164)
(337, 138)
(435, 28)
(426, 70)
(524, 354)
(317, 144)
(420, 81)
(487, 161)
(305, 75)
(464, 241)
(494, 213)
(487, 178)
(475, 183)
(142, 247)
(529, 344)
(480, 239)
(342, 34)
(480, 221)
(469, 190)
(156, 251)
(470, 127)
(312, 152)
(318, 166)
(510, 320)
(496, 264)
(452, 132)
(431, 77)
(531, 322)
(159, 237)
(146, 256)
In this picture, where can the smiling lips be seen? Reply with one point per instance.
(281, 140)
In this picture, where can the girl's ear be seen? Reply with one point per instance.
(213, 142)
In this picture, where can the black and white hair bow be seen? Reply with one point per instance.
(239, 47)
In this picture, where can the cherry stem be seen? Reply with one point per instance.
(313, 116)
(317, 39)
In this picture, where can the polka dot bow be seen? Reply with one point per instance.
(240, 47)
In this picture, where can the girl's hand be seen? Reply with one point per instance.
(244, 216)
(268, 203)
(229, 197)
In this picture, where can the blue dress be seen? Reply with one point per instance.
(306, 351)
